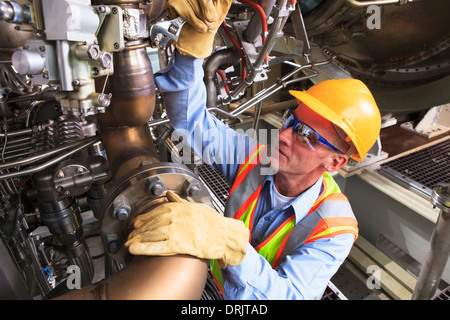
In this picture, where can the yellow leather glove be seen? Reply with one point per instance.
(203, 18)
(182, 227)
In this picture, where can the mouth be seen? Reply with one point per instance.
(280, 148)
(276, 152)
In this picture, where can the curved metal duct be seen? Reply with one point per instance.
(401, 51)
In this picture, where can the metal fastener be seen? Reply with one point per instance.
(192, 188)
(155, 185)
(121, 210)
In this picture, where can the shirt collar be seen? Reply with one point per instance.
(304, 202)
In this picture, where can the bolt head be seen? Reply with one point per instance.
(122, 214)
(122, 210)
(113, 246)
(155, 186)
(93, 51)
(192, 188)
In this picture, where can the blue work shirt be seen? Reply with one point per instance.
(306, 272)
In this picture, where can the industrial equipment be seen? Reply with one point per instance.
(86, 145)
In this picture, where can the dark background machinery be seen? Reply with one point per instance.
(85, 142)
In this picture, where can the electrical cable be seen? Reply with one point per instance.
(263, 17)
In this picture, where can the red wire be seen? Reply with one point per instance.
(265, 29)
(263, 16)
(238, 47)
(224, 79)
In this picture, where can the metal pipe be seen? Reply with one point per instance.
(25, 172)
(438, 253)
(149, 278)
(229, 57)
(281, 83)
(126, 136)
(298, 24)
(46, 154)
(275, 30)
(123, 127)
(13, 12)
(274, 107)
(64, 66)
(16, 133)
(132, 86)
(260, 95)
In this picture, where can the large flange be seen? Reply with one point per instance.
(140, 191)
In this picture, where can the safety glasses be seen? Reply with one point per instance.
(306, 134)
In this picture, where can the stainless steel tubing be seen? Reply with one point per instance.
(275, 31)
(281, 83)
(44, 154)
(65, 68)
(85, 144)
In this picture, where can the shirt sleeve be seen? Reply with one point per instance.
(184, 92)
(304, 275)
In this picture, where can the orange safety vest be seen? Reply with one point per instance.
(330, 215)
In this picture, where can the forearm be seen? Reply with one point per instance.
(185, 99)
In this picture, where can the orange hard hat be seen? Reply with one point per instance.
(348, 104)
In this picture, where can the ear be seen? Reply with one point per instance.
(336, 162)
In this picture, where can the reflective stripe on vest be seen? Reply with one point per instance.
(329, 216)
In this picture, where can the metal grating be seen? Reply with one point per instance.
(330, 294)
(443, 295)
(215, 181)
(420, 171)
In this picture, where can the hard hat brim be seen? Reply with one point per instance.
(326, 112)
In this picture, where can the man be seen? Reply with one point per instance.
(299, 228)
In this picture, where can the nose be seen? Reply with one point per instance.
(286, 136)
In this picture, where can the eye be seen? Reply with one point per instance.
(307, 135)
(289, 122)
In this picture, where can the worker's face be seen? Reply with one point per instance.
(296, 157)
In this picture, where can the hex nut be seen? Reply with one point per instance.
(93, 51)
(155, 185)
(192, 188)
(121, 210)
(105, 59)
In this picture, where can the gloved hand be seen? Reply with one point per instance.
(203, 18)
(182, 227)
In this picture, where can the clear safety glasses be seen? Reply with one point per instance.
(306, 134)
